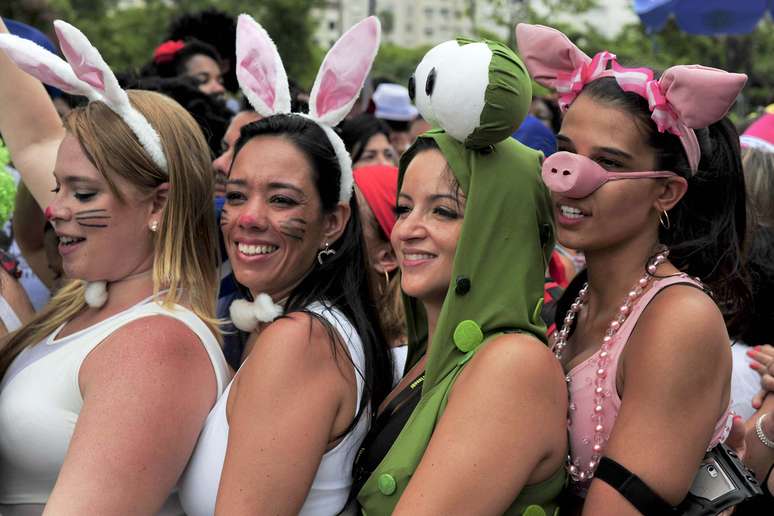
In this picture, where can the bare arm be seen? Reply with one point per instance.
(293, 395)
(15, 295)
(504, 427)
(29, 230)
(677, 369)
(30, 127)
(147, 390)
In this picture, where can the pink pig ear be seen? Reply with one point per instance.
(343, 72)
(44, 66)
(259, 69)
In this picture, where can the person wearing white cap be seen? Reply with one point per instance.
(393, 105)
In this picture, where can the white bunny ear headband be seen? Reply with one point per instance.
(84, 73)
(264, 82)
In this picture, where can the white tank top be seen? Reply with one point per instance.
(330, 487)
(40, 400)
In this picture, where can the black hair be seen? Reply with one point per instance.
(216, 28)
(210, 112)
(706, 234)
(341, 281)
(176, 66)
(757, 322)
(356, 132)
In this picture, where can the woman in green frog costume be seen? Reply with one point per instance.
(478, 423)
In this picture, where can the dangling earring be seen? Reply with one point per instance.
(386, 281)
(327, 251)
(665, 215)
(154, 226)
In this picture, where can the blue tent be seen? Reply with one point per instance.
(708, 17)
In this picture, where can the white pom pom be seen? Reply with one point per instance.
(265, 309)
(96, 293)
(243, 315)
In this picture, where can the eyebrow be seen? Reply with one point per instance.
(274, 185)
(607, 150)
(433, 198)
(77, 179)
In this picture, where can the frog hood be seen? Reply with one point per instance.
(476, 94)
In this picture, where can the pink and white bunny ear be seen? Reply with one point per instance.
(699, 95)
(343, 72)
(259, 69)
(548, 53)
(48, 68)
(89, 66)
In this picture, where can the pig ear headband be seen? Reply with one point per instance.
(264, 82)
(84, 73)
(683, 99)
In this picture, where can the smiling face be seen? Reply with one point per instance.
(101, 237)
(425, 236)
(273, 223)
(619, 210)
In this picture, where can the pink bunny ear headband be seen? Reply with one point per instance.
(84, 73)
(683, 99)
(264, 82)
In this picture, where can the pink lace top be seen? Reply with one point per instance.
(582, 385)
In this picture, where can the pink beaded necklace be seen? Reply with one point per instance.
(602, 356)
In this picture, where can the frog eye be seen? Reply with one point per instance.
(430, 84)
(412, 88)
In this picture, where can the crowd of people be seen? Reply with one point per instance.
(449, 297)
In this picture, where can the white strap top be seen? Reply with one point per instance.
(330, 487)
(8, 316)
(40, 400)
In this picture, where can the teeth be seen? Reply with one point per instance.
(419, 256)
(68, 240)
(251, 250)
(571, 212)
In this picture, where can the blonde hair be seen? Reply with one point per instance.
(185, 247)
(758, 168)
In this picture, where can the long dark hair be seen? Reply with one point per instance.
(707, 229)
(341, 281)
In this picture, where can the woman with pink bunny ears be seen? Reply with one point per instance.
(648, 184)
(104, 392)
(282, 438)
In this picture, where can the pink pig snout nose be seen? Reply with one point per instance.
(562, 173)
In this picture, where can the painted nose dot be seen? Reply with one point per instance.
(386, 484)
(566, 172)
(554, 171)
(534, 510)
(467, 336)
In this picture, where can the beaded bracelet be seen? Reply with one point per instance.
(759, 432)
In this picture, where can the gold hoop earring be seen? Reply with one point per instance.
(664, 215)
(386, 281)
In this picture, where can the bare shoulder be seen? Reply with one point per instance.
(149, 347)
(515, 361)
(681, 321)
(297, 336)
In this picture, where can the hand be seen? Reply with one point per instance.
(763, 363)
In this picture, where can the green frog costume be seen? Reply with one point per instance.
(475, 94)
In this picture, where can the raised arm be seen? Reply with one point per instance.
(676, 384)
(30, 126)
(504, 427)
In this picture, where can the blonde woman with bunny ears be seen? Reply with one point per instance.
(103, 394)
(283, 437)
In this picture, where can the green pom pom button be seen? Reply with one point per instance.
(467, 336)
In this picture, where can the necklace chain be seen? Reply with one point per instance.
(578, 472)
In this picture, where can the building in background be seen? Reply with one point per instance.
(412, 23)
